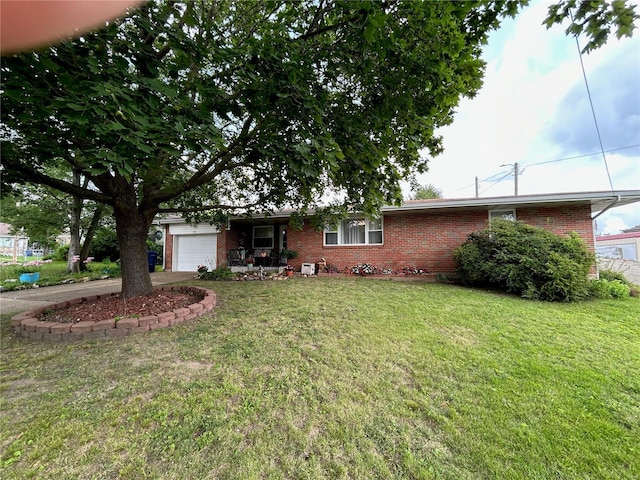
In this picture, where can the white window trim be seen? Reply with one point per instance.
(338, 231)
(512, 211)
(254, 236)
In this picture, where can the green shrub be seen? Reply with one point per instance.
(105, 245)
(612, 275)
(599, 288)
(61, 253)
(619, 289)
(220, 273)
(109, 268)
(603, 288)
(530, 261)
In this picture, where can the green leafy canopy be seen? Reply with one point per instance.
(183, 106)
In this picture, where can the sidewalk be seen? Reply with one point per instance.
(22, 300)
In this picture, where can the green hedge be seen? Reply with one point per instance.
(533, 262)
(220, 273)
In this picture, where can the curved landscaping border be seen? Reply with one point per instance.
(27, 324)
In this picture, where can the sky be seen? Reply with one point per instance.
(534, 109)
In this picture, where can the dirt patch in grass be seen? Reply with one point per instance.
(116, 306)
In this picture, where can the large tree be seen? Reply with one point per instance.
(222, 105)
(425, 192)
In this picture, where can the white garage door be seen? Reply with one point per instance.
(194, 250)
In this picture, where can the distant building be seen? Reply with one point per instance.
(624, 246)
(13, 246)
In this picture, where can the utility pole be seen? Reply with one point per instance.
(515, 174)
(477, 188)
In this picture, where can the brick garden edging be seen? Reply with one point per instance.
(27, 324)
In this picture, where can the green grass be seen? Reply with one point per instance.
(55, 273)
(336, 378)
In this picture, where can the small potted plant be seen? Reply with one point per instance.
(288, 271)
(287, 254)
(250, 262)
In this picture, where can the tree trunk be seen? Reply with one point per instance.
(74, 263)
(91, 231)
(131, 228)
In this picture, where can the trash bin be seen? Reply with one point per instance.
(151, 258)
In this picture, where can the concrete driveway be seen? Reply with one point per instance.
(22, 300)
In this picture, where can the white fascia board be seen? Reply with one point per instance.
(597, 200)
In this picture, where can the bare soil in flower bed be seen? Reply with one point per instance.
(115, 306)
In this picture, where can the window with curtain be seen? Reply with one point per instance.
(502, 215)
(354, 231)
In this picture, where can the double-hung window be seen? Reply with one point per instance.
(509, 214)
(354, 231)
(263, 236)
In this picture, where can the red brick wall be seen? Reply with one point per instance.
(561, 220)
(221, 246)
(168, 250)
(427, 239)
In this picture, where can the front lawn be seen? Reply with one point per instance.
(336, 378)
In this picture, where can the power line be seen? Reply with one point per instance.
(496, 182)
(546, 162)
(489, 178)
(593, 112)
(582, 156)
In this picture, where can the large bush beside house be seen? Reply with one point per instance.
(527, 260)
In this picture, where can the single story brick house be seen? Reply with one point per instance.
(418, 234)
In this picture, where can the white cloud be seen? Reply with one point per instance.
(533, 84)
(618, 219)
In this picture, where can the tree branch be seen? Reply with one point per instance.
(66, 187)
(327, 28)
(204, 208)
(203, 175)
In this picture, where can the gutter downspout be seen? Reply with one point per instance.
(616, 201)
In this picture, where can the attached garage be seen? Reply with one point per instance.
(193, 245)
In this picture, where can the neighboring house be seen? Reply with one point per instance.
(625, 246)
(12, 245)
(420, 233)
(620, 253)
